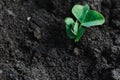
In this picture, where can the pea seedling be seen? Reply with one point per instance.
(85, 19)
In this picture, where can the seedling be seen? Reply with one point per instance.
(86, 18)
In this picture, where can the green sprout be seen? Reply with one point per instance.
(85, 19)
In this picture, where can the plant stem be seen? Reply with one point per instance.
(80, 33)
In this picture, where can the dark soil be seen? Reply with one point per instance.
(34, 44)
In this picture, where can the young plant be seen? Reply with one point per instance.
(85, 19)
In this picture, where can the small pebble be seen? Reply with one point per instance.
(76, 51)
(10, 13)
(28, 18)
(1, 71)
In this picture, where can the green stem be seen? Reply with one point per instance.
(80, 33)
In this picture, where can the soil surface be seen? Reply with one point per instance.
(34, 44)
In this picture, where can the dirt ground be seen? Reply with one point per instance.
(34, 44)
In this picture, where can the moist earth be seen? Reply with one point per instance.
(34, 44)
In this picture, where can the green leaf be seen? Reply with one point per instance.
(69, 25)
(80, 33)
(75, 28)
(93, 18)
(80, 11)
